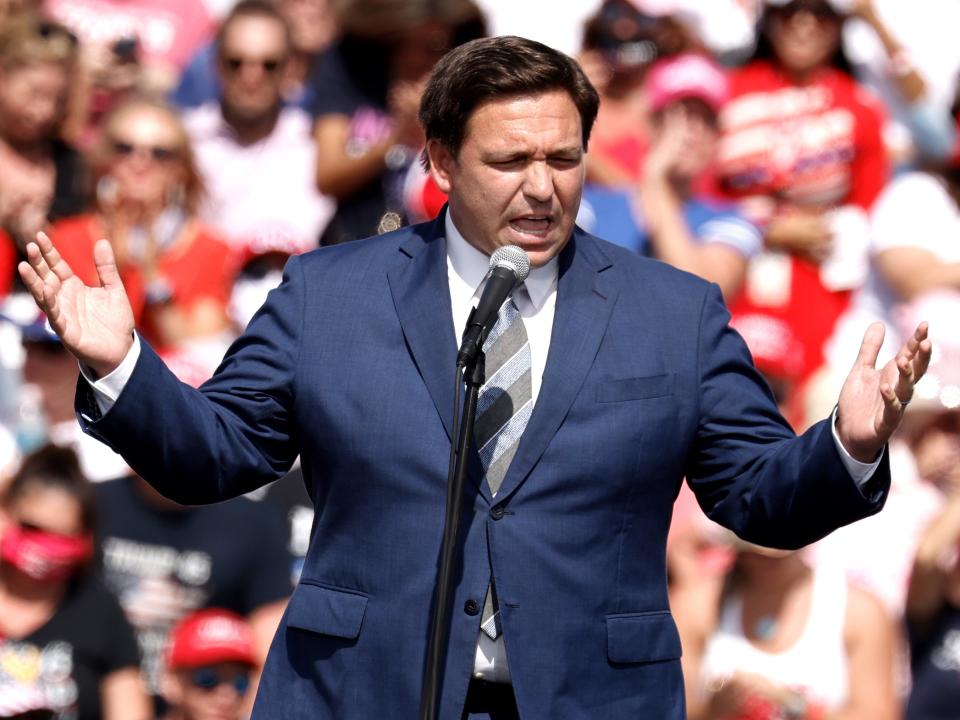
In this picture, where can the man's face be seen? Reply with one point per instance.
(518, 177)
(252, 59)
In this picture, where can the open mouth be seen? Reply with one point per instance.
(532, 225)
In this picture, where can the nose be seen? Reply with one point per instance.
(538, 181)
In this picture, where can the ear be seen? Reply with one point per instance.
(442, 164)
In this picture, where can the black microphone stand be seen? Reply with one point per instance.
(473, 376)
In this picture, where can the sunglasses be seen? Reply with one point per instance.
(157, 152)
(209, 679)
(269, 65)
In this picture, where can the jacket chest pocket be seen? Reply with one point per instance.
(635, 388)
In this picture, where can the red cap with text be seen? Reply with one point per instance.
(210, 637)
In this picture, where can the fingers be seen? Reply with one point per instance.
(924, 349)
(36, 275)
(912, 362)
(870, 347)
(905, 379)
(31, 280)
(892, 406)
(56, 263)
(106, 265)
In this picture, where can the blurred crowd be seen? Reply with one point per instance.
(802, 154)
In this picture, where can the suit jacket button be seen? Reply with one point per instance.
(497, 512)
(470, 607)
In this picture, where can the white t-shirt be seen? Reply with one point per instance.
(913, 211)
(262, 192)
(815, 665)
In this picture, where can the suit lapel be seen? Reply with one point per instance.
(421, 296)
(585, 298)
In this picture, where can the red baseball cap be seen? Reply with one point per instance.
(209, 637)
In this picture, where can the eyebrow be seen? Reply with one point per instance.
(506, 155)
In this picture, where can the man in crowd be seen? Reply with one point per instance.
(165, 561)
(609, 379)
(256, 154)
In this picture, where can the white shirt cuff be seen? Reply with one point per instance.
(107, 389)
(860, 472)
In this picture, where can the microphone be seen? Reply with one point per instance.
(509, 266)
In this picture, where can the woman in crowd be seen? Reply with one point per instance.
(802, 153)
(66, 650)
(368, 95)
(177, 273)
(42, 177)
(787, 643)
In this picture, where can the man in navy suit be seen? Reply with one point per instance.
(636, 381)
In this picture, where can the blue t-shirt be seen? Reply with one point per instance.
(611, 213)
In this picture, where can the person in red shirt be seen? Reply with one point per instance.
(8, 263)
(802, 151)
(176, 272)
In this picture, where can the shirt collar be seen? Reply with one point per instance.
(471, 266)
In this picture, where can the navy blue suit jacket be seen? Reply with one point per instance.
(350, 364)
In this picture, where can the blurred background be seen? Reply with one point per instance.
(802, 154)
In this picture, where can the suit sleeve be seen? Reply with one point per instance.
(748, 470)
(233, 434)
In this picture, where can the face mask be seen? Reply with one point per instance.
(44, 556)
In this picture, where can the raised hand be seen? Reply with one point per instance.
(94, 323)
(872, 401)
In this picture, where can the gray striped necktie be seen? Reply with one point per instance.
(503, 409)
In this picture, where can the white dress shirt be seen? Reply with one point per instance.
(536, 300)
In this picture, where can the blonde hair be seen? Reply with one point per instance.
(103, 153)
(27, 39)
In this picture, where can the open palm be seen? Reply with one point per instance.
(94, 323)
(872, 400)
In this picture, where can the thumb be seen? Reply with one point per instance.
(106, 265)
(870, 347)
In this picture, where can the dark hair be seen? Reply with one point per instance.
(255, 8)
(764, 48)
(58, 468)
(495, 68)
